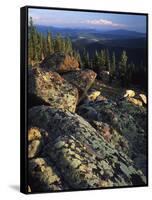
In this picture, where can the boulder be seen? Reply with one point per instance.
(43, 175)
(82, 79)
(82, 156)
(104, 75)
(60, 62)
(49, 88)
(129, 93)
(128, 122)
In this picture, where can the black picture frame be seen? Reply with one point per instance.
(24, 92)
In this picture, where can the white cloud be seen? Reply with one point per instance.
(103, 22)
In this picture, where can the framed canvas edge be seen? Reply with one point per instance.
(23, 100)
(24, 95)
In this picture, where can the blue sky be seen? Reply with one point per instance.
(77, 19)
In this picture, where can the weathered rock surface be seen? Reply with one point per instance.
(127, 120)
(82, 79)
(80, 154)
(60, 62)
(112, 136)
(49, 88)
(43, 176)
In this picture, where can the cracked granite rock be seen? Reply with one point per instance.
(81, 156)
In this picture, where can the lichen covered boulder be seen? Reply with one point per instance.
(82, 79)
(49, 88)
(60, 62)
(128, 120)
(82, 156)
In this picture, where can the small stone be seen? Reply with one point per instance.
(59, 144)
(34, 134)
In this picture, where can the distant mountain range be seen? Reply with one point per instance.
(126, 33)
(91, 33)
(115, 40)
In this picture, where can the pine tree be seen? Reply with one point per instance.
(77, 56)
(95, 62)
(102, 58)
(123, 62)
(58, 43)
(49, 43)
(41, 47)
(85, 59)
(44, 46)
(107, 62)
(31, 42)
(113, 65)
(123, 68)
(68, 46)
(96, 59)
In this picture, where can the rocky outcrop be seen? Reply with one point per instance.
(103, 144)
(77, 155)
(135, 98)
(60, 62)
(129, 122)
(49, 88)
(82, 79)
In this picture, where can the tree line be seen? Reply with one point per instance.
(40, 46)
(118, 68)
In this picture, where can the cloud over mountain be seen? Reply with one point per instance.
(104, 22)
